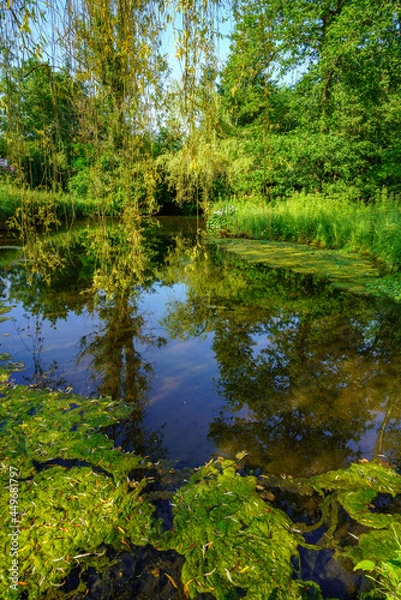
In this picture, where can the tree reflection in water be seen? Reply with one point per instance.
(100, 269)
(307, 376)
(308, 373)
(120, 367)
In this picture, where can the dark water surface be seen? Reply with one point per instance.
(218, 355)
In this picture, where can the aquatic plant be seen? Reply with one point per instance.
(78, 498)
(75, 496)
(389, 285)
(231, 539)
(386, 574)
(375, 543)
(330, 222)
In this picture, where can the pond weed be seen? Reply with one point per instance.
(232, 540)
(75, 496)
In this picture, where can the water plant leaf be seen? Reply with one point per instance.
(73, 490)
(357, 486)
(43, 425)
(231, 539)
(365, 565)
(377, 545)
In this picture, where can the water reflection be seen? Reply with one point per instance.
(217, 354)
(98, 274)
(309, 375)
(117, 347)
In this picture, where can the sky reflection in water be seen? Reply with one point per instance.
(221, 357)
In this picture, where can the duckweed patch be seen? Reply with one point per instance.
(350, 272)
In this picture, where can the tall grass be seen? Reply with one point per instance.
(327, 222)
(67, 206)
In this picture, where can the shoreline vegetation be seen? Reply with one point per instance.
(66, 207)
(313, 221)
(321, 229)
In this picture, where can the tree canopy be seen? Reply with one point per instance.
(307, 100)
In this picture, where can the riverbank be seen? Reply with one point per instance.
(352, 243)
(313, 219)
(37, 203)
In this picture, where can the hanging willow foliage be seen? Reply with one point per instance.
(103, 62)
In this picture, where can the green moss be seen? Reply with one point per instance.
(231, 538)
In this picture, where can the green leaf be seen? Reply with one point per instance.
(365, 565)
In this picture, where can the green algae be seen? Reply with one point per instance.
(349, 272)
(357, 487)
(231, 539)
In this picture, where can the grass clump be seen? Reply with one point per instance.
(336, 222)
(33, 202)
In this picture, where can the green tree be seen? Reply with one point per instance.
(320, 105)
(41, 122)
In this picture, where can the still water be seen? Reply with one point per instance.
(218, 355)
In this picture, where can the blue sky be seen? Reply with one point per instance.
(224, 28)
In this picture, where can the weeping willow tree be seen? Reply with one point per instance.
(194, 104)
(83, 100)
(83, 92)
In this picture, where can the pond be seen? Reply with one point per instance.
(217, 354)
